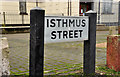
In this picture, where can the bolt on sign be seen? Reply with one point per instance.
(66, 29)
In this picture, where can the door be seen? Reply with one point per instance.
(84, 7)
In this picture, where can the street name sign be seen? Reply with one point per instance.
(52, 29)
(66, 29)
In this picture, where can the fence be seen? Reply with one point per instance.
(18, 19)
(15, 19)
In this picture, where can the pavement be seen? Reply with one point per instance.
(57, 55)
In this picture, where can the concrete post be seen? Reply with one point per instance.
(112, 30)
(90, 45)
(37, 16)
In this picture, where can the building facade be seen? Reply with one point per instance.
(15, 13)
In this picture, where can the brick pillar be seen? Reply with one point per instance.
(113, 52)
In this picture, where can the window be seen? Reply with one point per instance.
(22, 7)
(107, 7)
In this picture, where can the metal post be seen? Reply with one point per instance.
(22, 19)
(119, 19)
(68, 7)
(99, 13)
(90, 45)
(36, 3)
(4, 18)
(37, 16)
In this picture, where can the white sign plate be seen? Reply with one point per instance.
(66, 29)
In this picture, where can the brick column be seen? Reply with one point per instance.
(113, 52)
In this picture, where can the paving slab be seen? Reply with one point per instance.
(57, 55)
